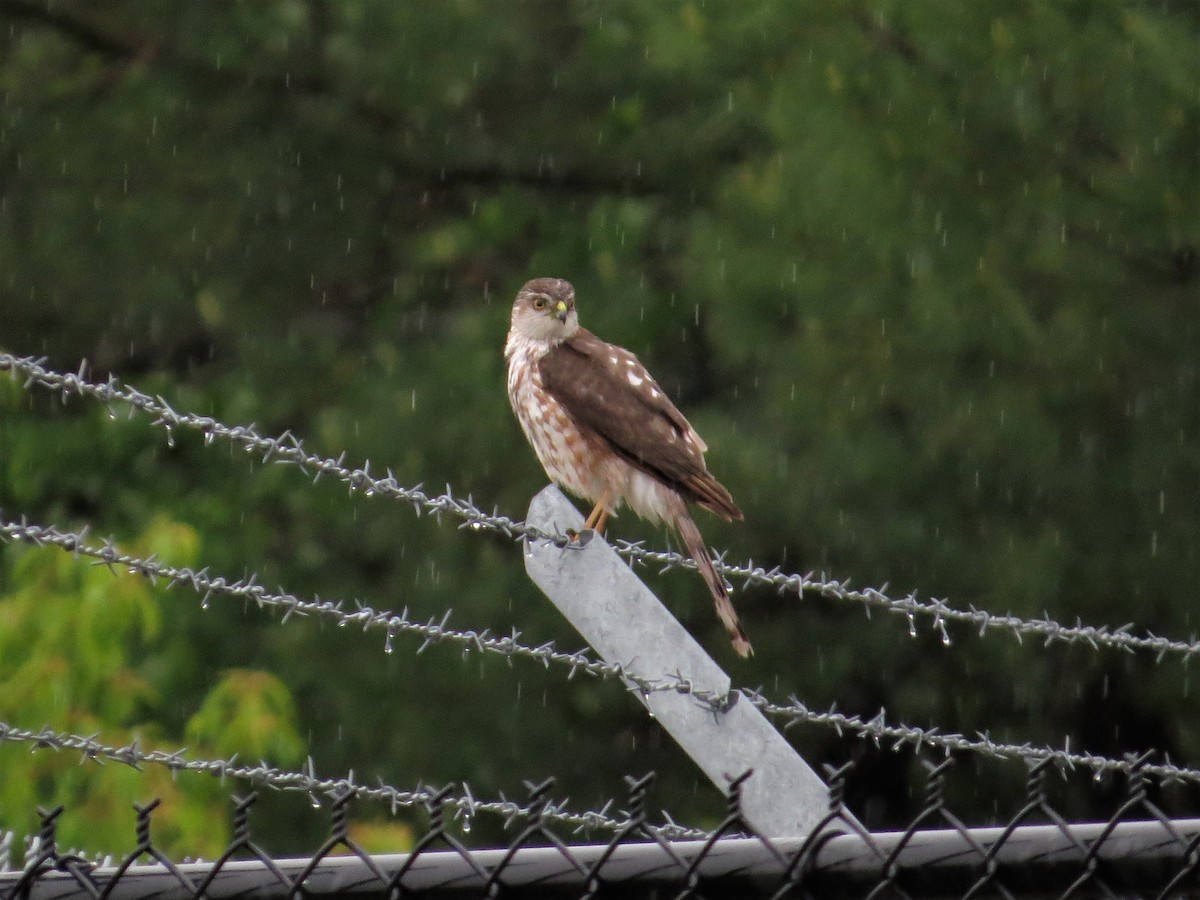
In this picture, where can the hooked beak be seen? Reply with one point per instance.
(561, 310)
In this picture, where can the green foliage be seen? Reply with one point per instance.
(924, 276)
(73, 644)
(249, 714)
(65, 635)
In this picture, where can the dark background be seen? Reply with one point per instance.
(924, 276)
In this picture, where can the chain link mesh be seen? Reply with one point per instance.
(1137, 851)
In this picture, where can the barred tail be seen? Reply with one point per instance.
(725, 612)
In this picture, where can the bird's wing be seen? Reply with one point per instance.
(606, 389)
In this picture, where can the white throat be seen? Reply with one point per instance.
(538, 336)
(531, 349)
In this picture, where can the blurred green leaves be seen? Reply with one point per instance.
(74, 640)
(248, 714)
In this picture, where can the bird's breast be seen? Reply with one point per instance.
(561, 446)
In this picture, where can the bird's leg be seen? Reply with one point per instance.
(599, 514)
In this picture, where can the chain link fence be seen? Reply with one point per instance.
(1138, 852)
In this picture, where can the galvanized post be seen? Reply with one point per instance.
(625, 623)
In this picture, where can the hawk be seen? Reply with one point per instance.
(605, 431)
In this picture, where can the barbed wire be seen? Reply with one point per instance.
(432, 631)
(791, 713)
(287, 448)
(938, 610)
(878, 729)
(466, 805)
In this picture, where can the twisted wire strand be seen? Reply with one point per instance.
(879, 729)
(465, 804)
(286, 448)
(791, 713)
(938, 610)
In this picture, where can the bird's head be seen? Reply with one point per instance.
(545, 310)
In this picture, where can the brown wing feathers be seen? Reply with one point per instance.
(638, 421)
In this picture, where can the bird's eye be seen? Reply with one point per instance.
(540, 302)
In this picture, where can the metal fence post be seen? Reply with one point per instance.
(626, 623)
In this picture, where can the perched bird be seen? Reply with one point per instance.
(605, 431)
